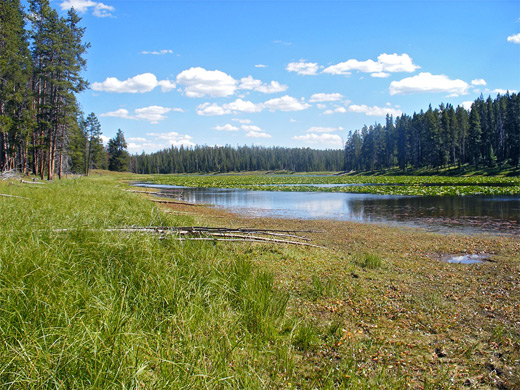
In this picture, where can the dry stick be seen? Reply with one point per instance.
(13, 196)
(247, 240)
(31, 182)
(256, 238)
(174, 202)
(186, 231)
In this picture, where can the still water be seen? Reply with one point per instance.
(468, 214)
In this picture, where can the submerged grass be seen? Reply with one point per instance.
(100, 310)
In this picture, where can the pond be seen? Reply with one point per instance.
(467, 214)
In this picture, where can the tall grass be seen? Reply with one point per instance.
(92, 309)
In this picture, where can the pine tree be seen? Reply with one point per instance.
(119, 158)
(15, 69)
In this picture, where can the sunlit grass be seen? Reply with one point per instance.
(87, 308)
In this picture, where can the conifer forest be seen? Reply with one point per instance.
(44, 132)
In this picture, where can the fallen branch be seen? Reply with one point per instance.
(13, 196)
(215, 234)
(174, 202)
(31, 182)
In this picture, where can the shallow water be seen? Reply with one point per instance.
(467, 214)
(467, 259)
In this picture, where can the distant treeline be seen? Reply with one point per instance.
(235, 159)
(488, 135)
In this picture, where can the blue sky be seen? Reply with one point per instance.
(286, 73)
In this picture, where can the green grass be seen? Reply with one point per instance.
(91, 309)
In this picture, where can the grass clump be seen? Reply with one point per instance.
(369, 260)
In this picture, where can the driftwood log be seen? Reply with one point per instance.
(204, 233)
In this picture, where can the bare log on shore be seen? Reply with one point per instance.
(31, 182)
(203, 233)
(13, 196)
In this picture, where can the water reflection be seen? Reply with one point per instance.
(470, 214)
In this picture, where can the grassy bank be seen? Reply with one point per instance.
(377, 309)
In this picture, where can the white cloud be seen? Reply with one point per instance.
(380, 75)
(158, 53)
(286, 103)
(385, 64)
(340, 110)
(325, 97)
(258, 134)
(478, 82)
(503, 91)
(238, 106)
(374, 110)
(211, 109)
(152, 114)
(243, 121)
(251, 128)
(303, 68)
(325, 138)
(427, 82)
(319, 129)
(252, 84)
(467, 104)
(141, 83)
(98, 9)
(514, 38)
(158, 141)
(226, 127)
(121, 113)
(260, 66)
(199, 82)
(104, 139)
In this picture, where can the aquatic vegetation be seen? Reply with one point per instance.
(384, 185)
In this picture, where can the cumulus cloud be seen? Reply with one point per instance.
(226, 127)
(321, 139)
(157, 141)
(319, 129)
(141, 83)
(385, 64)
(427, 82)
(374, 110)
(467, 104)
(238, 106)
(514, 38)
(243, 121)
(504, 91)
(257, 134)
(251, 128)
(325, 97)
(303, 68)
(158, 53)
(337, 110)
(286, 103)
(478, 82)
(250, 83)
(152, 114)
(199, 82)
(98, 9)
